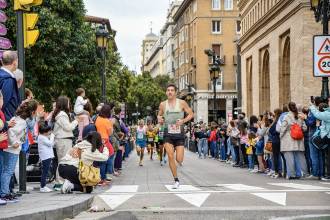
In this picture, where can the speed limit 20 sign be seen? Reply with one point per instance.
(322, 56)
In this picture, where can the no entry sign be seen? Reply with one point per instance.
(322, 56)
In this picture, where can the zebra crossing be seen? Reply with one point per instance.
(196, 196)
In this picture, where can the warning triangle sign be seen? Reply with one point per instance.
(325, 48)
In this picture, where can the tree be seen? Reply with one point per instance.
(64, 57)
(145, 91)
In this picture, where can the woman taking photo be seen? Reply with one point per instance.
(63, 131)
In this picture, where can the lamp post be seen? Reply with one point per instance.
(214, 70)
(321, 12)
(102, 37)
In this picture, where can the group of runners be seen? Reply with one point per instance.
(168, 136)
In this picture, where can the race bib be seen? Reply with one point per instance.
(150, 139)
(161, 134)
(174, 129)
(140, 135)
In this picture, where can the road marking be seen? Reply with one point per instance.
(328, 193)
(113, 201)
(300, 186)
(241, 187)
(300, 217)
(196, 199)
(279, 198)
(182, 188)
(123, 189)
(325, 183)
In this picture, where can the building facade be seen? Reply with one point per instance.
(167, 34)
(146, 48)
(160, 60)
(277, 54)
(201, 25)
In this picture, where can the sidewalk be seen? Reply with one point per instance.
(36, 205)
(51, 206)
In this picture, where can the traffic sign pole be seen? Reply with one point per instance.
(325, 80)
(21, 66)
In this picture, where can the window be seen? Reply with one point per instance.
(216, 5)
(216, 27)
(238, 27)
(228, 4)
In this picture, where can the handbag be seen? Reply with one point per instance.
(88, 174)
(319, 142)
(269, 147)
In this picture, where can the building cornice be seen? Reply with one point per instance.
(269, 17)
(181, 9)
(242, 3)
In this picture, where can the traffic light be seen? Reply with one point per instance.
(25, 4)
(30, 34)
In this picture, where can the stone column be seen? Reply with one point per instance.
(229, 109)
(202, 107)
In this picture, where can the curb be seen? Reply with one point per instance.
(57, 213)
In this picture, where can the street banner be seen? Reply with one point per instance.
(3, 4)
(321, 54)
(3, 16)
(3, 30)
(5, 43)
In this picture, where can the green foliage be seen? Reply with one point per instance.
(65, 58)
(146, 91)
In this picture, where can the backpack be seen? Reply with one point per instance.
(296, 131)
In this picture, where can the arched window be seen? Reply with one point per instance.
(264, 84)
(285, 96)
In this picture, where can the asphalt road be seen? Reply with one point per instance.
(211, 190)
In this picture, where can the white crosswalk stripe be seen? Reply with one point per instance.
(182, 188)
(300, 186)
(119, 194)
(241, 187)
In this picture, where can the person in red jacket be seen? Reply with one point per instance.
(213, 140)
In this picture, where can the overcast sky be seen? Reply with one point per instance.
(131, 19)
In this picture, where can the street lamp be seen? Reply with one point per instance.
(102, 38)
(321, 12)
(214, 70)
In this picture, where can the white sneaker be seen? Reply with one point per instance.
(45, 190)
(3, 202)
(66, 187)
(176, 185)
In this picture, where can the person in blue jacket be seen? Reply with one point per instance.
(8, 84)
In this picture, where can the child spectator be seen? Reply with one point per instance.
(80, 102)
(16, 135)
(251, 143)
(46, 154)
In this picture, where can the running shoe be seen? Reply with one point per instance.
(140, 164)
(9, 199)
(176, 185)
(57, 187)
(3, 202)
(108, 177)
(67, 187)
(311, 177)
(45, 190)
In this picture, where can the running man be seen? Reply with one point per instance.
(141, 140)
(151, 134)
(173, 111)
(161, 150)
